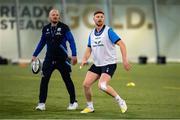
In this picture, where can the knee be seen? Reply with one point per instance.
(102, 86)
(86, 85)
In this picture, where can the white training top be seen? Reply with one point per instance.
(103, 46)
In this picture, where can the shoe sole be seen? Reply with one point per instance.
(123, 111)
(73, 109)
(87, 112)
(40, 109)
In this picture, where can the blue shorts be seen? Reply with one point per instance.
(109, 69)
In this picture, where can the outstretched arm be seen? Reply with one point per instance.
(122, 46)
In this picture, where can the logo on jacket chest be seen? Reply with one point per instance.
(47, 31)
(55, 32)
(58, 31)
(98, 42)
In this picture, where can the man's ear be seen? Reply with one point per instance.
(94, 18)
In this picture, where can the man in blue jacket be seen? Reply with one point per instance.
(54, 36)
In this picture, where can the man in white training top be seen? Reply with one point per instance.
(101, 44)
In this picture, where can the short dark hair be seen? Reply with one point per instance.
(98, 11)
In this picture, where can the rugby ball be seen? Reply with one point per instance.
(36, 66)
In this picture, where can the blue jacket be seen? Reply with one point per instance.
(55, 39)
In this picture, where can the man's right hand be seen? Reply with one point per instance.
(33, 58)
(83, 63)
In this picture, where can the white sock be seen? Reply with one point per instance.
(118, 99)
(90, 105)
(41, 103)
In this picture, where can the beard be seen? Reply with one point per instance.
(54, 22)
(99, 23)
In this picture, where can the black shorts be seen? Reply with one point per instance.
(109, 69)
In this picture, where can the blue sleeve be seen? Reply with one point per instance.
(113, 36)
(71, 41)
(89, 42)
(40, 45)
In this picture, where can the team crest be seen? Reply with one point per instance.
(59, 29)
(47, 31)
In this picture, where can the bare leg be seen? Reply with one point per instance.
(89, 80)
(104, 81)
(104, 86)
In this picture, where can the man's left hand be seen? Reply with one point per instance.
(126, 65)
(74, 60)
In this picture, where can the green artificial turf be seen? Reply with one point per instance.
(156, 94)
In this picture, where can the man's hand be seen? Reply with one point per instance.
(74, 60)
(33, 58)
(84, 62)
(126, 65)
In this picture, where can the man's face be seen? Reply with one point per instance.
(99, 19)
(54, 16)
